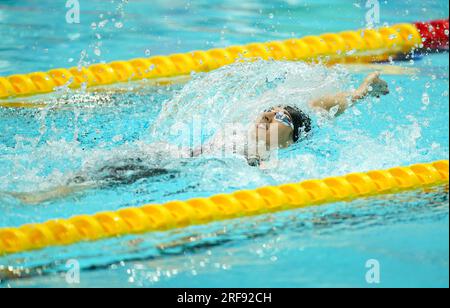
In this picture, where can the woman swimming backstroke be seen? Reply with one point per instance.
(276, 128)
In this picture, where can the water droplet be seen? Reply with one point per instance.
(425, 99)
(103, 23)
(435, 146)
(118, 138)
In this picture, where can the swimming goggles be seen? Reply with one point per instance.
(283, 118)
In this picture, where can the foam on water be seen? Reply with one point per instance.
(238, 93)
(234, 94)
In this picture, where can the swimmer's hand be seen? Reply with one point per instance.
(373, 86)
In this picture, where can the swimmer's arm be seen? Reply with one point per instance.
(338, 102)
(373, 85)
(60, 192)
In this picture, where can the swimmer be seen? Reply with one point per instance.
(289, 124)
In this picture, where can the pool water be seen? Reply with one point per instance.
(324, 246)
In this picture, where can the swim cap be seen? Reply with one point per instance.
(301, 121)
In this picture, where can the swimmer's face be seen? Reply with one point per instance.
(274, 127)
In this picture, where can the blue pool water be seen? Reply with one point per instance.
(324, 246)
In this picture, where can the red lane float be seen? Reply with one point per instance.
(434, 34)
(363, 46)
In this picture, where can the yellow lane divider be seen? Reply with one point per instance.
(179, 214)
(44, 101)
(362, 46)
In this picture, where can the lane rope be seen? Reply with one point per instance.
(361, 46)
(180, 214)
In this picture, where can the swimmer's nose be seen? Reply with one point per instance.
(268, 116)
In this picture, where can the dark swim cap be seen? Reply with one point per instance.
(301, 121)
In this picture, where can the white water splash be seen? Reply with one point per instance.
(240, 92)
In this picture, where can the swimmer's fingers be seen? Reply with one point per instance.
(383, 87)
(378, 87)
